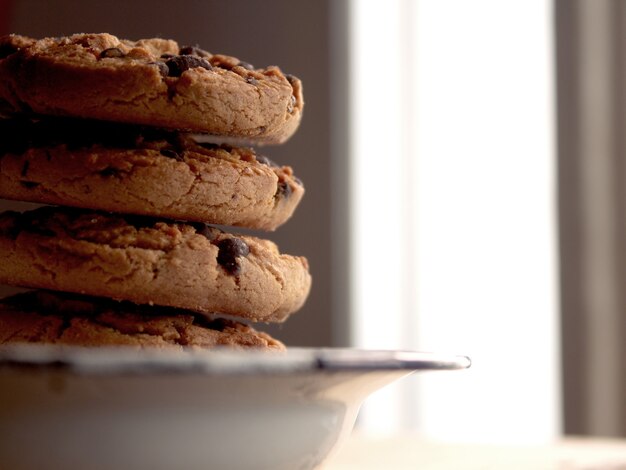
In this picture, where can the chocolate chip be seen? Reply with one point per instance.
(29, 184)
(219, 324)
(25, 168)
(30, 222)
(111, 52)
(265, 161)
(153, 134)
(246, 65)
(164, 70)
(46, 232)
(291, 104)
(252, 81)
(177, 65)
(194, 50)
(167, 56)
(283, 190)
(169, 153)
(7, 49)
(230, 249)
(108, 172)
(113, 136)
(207, 231)
(209, 145)
(140, 221)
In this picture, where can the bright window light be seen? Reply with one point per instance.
(454, 212)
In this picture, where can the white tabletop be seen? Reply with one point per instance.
(412, 452)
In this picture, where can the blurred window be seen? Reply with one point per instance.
(453, 190)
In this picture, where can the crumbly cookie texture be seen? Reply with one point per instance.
(45, 317)
(150, 81)
(148, 261)
(140, 170)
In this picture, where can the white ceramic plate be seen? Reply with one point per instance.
(73, 408)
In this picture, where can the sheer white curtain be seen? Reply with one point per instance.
(453, 199)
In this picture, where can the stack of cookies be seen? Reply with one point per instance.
(136, 147)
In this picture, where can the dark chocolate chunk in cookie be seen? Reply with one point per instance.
(207, 231)
(6, 49)
(112, 52)
(266, 161)
(170, 153)
(230, 249)
(194, 50)
(292, 103)
(27, 222)
(283, 190)
(108, 172)
(164, 70)
(246, 65)
(178, 64)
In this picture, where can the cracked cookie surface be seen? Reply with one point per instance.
(151, 81)
(149, 261)
(45, 317)
(140, 170)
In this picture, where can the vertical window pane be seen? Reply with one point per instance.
(455, 211)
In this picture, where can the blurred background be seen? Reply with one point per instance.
(464, 170)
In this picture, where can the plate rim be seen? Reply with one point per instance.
(107, 361)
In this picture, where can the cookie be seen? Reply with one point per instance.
(140, 170)
(151, 81)
(44, 317)
(149, 261)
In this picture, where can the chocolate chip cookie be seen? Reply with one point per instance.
(44, 317)
(142, 170)
(151, 261)
(154, 82)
